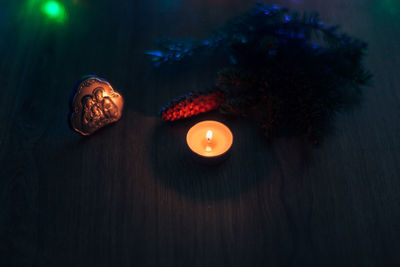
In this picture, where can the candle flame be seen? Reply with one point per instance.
(209, 135)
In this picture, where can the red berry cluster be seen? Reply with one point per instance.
(192, 104)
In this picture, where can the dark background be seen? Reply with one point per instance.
(130, 196)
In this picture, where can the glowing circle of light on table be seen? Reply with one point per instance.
(209, 139)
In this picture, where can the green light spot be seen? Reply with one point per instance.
(54, 10)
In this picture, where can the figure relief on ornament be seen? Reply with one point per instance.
(98, 109)
(105, 104)
(95, 105)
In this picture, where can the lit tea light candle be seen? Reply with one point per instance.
(209, 139)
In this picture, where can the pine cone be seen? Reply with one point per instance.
(192, 104)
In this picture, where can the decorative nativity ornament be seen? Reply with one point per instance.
(94, 104)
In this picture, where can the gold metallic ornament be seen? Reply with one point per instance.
(94, 105)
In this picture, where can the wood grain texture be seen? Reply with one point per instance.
(130, 194)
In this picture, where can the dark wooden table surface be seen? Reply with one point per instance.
(128, 196)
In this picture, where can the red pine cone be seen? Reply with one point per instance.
(192, 104)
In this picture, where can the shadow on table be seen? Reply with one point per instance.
(251, 160)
